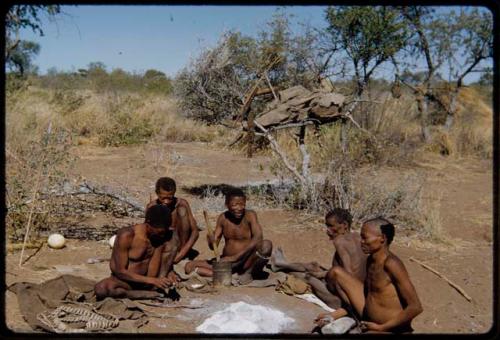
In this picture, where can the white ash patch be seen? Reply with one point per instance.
(241, 317)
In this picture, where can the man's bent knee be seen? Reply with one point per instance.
(101, 290)
(190, 267)
(265, 248)
(332, 274)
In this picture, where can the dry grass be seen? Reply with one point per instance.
(104, 118)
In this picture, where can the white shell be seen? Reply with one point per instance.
(56, 241)
(112, 241)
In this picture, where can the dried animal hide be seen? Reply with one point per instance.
(60, 320)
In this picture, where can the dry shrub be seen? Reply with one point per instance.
(36, 168)
(472, 132)
(366, 194)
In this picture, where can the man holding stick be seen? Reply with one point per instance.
(244, 246)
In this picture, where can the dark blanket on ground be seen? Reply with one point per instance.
(68, 289)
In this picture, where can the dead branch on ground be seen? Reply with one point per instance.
(454, 285)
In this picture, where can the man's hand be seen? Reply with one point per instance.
(160, 282)
(323, 318)
(173, 278)
(227, 259)
(371, 326)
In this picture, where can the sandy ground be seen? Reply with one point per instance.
(465, 206)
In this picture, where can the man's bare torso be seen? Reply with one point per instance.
(236, 236)
(382, 301)
(143, 257)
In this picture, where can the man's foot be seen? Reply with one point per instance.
(277, 259)
(245, 278)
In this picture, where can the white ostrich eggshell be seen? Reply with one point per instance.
(112, 241)
(56, 241)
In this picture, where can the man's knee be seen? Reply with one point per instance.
(333, 274)
(190, 267)
(265, 248)
(101, 290)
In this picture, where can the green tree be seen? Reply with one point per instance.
(20, 59)
(471, 38)
(368, 35)
(24, 16)
(461, 40)
(157, 81)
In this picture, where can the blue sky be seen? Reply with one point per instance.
(137, 38)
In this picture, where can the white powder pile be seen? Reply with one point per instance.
(241, 317)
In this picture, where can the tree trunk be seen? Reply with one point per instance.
(305, 155)
(450, 117)
(343, 136)
(250, 134)
(423, 109)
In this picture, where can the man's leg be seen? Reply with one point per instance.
(203, 268)
(116, 288)
(280, 263)
(320, 290)
(350, 287)
(255, 263)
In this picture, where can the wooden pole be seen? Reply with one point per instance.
(212, 237)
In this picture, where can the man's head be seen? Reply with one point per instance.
(376, 233)
(165, 190)
(338, 221)
(236, 202)
(159, 216)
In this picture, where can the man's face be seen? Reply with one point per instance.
(166, 197)
(236, 206)
(334, 228)
(371, 238)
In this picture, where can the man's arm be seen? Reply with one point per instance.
(256, 230)
(217, 234)
(119, 261)
(397, 271)
(185, 213)
(167, 260)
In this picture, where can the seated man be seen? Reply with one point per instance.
(182, 218)
(348, 254)
(386, 301)
(244, 245)
(142, 258)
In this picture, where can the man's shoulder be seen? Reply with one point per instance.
(126, 233)
(250, 213)
(393, 263)
(346, 240)
(181, 202)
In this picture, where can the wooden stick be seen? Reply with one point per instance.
(277, 150)
(212, 236)
(34, 253)
(33, 199)
(270, 86)
(454, 285)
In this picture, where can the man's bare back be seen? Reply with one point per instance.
(349, 255)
